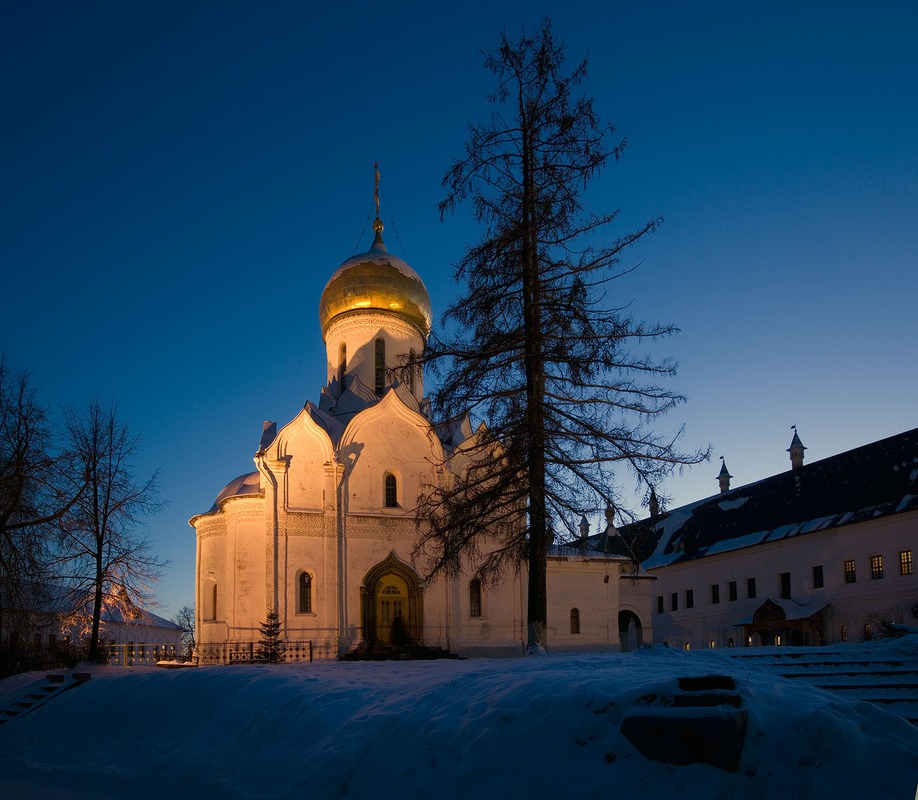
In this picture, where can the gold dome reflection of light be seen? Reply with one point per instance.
(378, 281)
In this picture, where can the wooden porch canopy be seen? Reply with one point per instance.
(786, 622)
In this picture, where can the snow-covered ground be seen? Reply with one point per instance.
(540, 727)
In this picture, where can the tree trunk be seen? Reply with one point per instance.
(96, 615)
(537, 600)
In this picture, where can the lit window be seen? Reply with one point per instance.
(575, 620)
(843, 633)
(305, 593)
(380, 367)
(689, 598)
(867, 632)
(731, 590)
(850, 572)
(474, 597)
(712, 644)
(905, 562)
(730, 642)
(715, 593)
(777, 639)
(876, 567)
(817, 577)
(391, 490)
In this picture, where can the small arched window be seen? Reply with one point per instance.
(304, 592)
(474, 597)
(412, 371)
(342, 364)
(390, 490)
(380, 367)
(575, 620)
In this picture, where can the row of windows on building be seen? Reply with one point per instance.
(906, 567)
(379, 367)
(304, 603)
(779, 639)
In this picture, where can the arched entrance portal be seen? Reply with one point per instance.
(392, 604)
(630, 632)
(391, 609)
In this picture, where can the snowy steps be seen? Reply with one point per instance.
(709, 726)
(852, 673)
(40, 693)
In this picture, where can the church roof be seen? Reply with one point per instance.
(376, 280)
(247, 484)
(876, 480)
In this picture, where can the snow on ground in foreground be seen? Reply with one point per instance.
(539, 727)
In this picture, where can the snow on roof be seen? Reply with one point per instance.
(141, 617)
(791, 608)
(876, 480)
(333, 427)
(248, 484)
(577, 550)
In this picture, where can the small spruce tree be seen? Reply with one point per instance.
(271, 648)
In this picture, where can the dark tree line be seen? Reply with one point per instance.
(543, 351)
(70, 514)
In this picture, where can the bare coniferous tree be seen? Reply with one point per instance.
(33, 494)
(105, 555)
(539, 352)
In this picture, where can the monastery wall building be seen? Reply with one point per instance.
(820, 554)
(323, 530)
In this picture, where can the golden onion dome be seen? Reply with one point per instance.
(377, 281)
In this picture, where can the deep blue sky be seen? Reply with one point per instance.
(180, 179)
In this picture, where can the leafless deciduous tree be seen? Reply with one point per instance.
(105, 555)
(184, 618)
(541, 350)
(34, 493)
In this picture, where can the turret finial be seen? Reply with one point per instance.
(377, 223)
(724, 476)
(796, 450)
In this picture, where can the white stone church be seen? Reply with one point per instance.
(323, 530)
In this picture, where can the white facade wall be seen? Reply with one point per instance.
(852, 604)
(321, 511)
